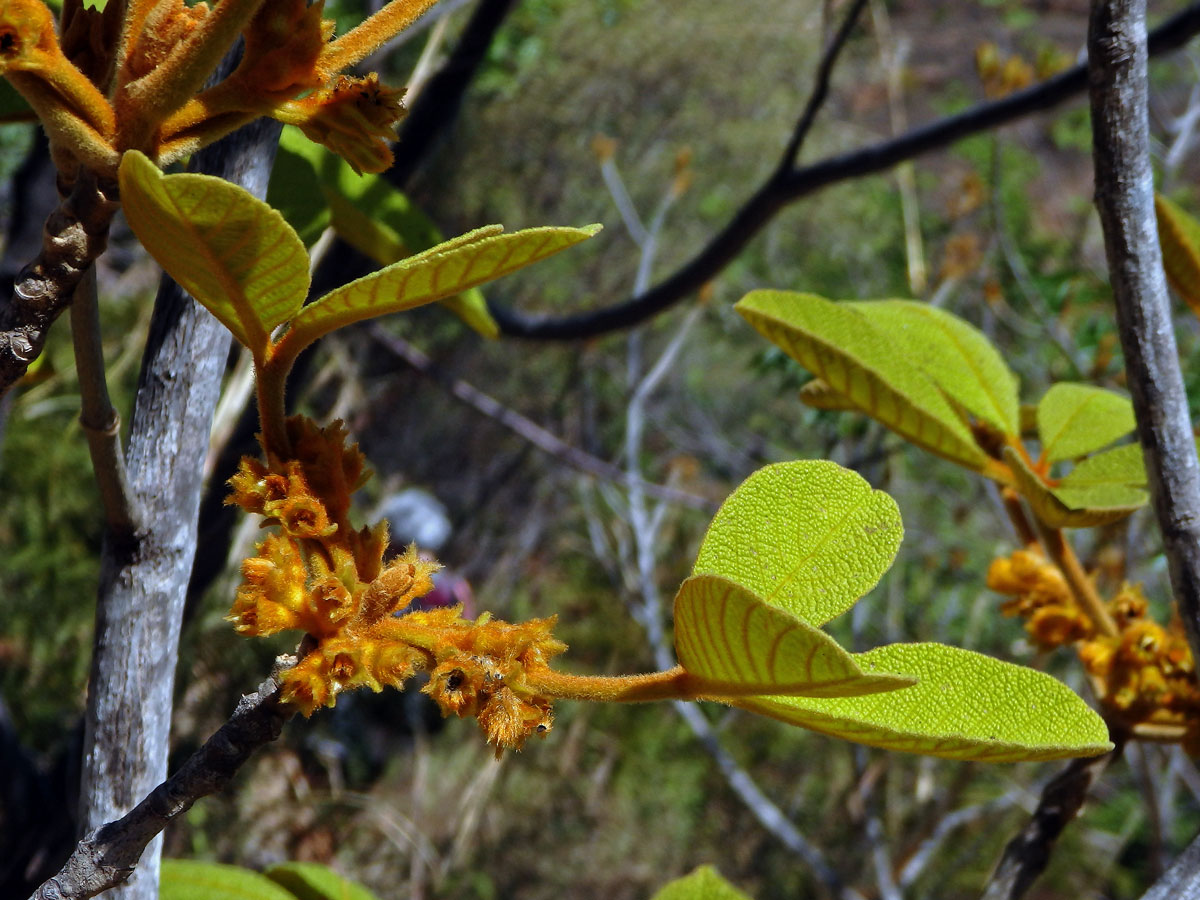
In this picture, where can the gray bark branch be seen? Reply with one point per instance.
(108, 855)
(1117, 77)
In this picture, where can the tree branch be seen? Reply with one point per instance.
(783, 188)
(1125, 200)
(1026, 855)
(107, 856)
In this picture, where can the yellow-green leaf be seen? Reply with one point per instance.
(964, 706)
(703, 884)
(184, 879)
(315, 188)
(1075, 419)
(818, 395)
(737, 642)
(439, 272)
(808, 537)
(1054, 510)
(229, 250)
(841, 347)
(1114, 478)
(311, 881)
(1179, 237)
(955, 354)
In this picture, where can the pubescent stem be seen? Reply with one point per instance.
(272, 411)
(671, 684)
(1058, 548)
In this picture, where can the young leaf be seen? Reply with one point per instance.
(315, 188)
(839, 345)
(447, 269)
(964, 706)
(808, 537)
(1179, 237)
(312, 881)
(733, 639)
(185, 879)
(705, 883)
(226, 248)
(1113, 478)
(1058, 511)
(955, 354)
(1075, 419)
(818, 395)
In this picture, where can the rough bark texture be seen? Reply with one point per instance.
(1125, 198)
(108, 855)
(1182, 880)
(143, 579)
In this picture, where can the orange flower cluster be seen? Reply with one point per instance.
(1144, 674)
(1040, 595)
(319, 576)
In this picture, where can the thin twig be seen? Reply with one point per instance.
(525, 427)
(1059, 549)
(1026, 855)
(1125, 199)
(100, 421)
(107, 856)
(780, 190)
(1182, 880)
(820, 90)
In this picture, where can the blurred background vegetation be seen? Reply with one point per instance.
(620, 799)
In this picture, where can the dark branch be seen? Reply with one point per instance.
(438, 103)
(820, 89)
(1125, 198)
(786, 187)
(1026, 855)
(107, 856)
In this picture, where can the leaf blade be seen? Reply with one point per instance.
(964, 706)
(955, 354)
(1179, 238)
(840, 346)
(736, 641)
(439, 272)
(229, 250)
(186, 879)
(808, 537)
(1076, 419)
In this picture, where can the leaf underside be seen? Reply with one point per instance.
(841, 347)
(727, 636)
(229, 250)
(1179, 237)
(964, 706)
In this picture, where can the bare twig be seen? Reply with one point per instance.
(107, 856)
(75, 234)
(1182, 880)
(785, 187)
(525, 427)
(1125, 199)
(1026, 855)
(921, 857)
(100, 421)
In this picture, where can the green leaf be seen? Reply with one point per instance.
(1114, 478)
(736, 641)
(310, 881)
(818, 395)
(964, 706)
(1075, 419)
(1058, 512)
(955, 354)
(230, 251)
(1179, 237)
(703, 884)
(838, 344)
(808, 537)
(315, 188)
(449, 268)
(295, 190)
(184, 879)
